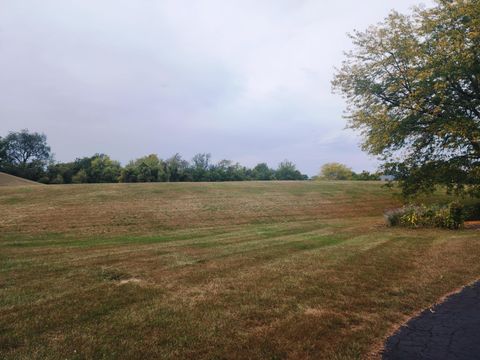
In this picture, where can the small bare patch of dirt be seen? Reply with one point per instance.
(128, 281)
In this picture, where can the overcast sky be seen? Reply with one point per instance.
(246, 80)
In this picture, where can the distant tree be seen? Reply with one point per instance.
(263, 172)
(238, 172)
(57, 180)
(413, 88)
(103, 169)
(3, 151)
(288, 171)
(335, 171)
(59, 173)
(129, 174)
(82, 170)
(221, 171)
(24, 154)
(80, 177)
(177, 169)
(99, 168)
(200, 167)
(226, 170)
(145, 169)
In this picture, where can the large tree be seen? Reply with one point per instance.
(412, 84)
(24, 154)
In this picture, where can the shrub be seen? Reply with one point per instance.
(451, 216)
(392, 217)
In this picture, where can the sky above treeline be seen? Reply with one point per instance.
(244, 80)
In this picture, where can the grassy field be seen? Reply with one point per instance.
(252, 270)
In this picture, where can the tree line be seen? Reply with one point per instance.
(28, 155)
(100, 168)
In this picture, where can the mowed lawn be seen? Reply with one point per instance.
(250, 270)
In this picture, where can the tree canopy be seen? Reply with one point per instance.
(412, 84)
(24, 154)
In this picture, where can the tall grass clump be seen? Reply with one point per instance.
(451, 216)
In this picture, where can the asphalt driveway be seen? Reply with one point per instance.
(450, 330)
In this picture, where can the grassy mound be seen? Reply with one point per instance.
(10, 180)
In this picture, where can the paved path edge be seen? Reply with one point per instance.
(379, 348)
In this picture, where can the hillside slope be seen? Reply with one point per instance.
(10, 180)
